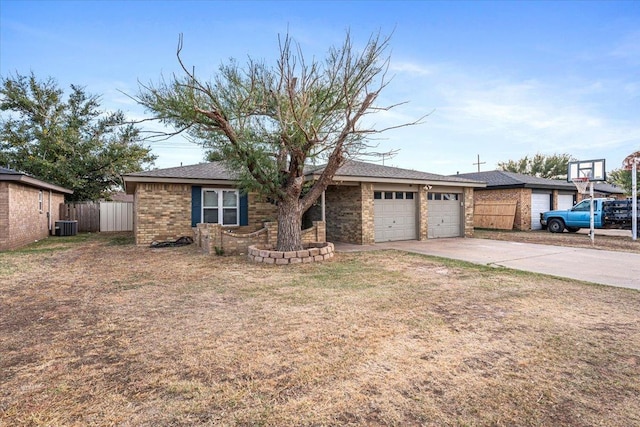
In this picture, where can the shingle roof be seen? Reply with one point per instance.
(604, 187)
(23, 178)
(511, 179)
(5, 171)
(353, 168)
(211, 170)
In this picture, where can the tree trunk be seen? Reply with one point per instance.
(289, 226)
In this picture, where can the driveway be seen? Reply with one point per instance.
(620, 269)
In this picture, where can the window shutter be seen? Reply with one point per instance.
(244, 209)
(196, 204)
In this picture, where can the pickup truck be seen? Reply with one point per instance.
(607, 213)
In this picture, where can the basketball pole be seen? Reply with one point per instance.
(592, 231)
(634, 199)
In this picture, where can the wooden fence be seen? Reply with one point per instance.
(494, 215)
(86, 213)
(99, 216)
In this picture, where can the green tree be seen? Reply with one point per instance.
(267, 122)
(551, 167)
(622, 178)
(69, 142)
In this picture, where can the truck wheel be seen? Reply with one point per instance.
(573, 229)
(556, 226)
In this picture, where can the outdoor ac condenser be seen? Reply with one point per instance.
(66, 228)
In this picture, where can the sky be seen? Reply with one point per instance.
(499, 80)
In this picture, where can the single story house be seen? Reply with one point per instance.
(365, 203)
(604, 189)
(531, 195)
(29, 208)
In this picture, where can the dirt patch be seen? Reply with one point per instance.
(103, 334)
(621, 243)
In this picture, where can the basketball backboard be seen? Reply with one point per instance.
(594, 170)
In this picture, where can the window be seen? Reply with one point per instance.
(399, 195)
(443, 196)
(583, 206)
(377, 195)
(409, 196)
(388, 195)
(220, 206)
(40, 201)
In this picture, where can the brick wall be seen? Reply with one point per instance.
(522, 197)
(213, 237)
(260, 210)
(468, 212)
(344, 214)
(21, 220)
(162, 212)
(423, 215)
(368, 212)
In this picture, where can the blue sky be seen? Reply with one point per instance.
(501, 79)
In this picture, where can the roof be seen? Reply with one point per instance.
(604, 187)
(218, 173)
(354, 170)
(24, 179)
(202, 173)
(504, 179)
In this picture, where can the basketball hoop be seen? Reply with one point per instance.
(582, 184)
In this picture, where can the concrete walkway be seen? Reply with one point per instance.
(620, 269)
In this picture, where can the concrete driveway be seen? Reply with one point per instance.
(620, 269)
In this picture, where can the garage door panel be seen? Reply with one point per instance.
(565, 201)
(540, 202)
(395, 219)
(444, 218)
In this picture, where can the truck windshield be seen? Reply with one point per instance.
(582, 206)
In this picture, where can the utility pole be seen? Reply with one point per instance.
(479, 163)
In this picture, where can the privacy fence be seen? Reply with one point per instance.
(99, 216)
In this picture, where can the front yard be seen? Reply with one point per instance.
(96, 331)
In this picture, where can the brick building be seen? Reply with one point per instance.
(366, 203)
(531, 194)
(28, 208)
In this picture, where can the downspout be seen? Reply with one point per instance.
(49, 212)
(322, 200)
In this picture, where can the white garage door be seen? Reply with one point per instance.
(540, 202)
(444, 215)
(565, 201)
(394, 215)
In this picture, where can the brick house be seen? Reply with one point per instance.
(366, 203)
(531, 194)
(603, 189)
(28, 208)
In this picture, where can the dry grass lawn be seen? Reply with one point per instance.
(96, 332)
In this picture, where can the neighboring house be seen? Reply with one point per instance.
(603, 189)
(531, 195)
(366, 203)
(28, 208)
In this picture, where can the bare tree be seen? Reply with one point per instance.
(267, 122)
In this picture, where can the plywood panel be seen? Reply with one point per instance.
(494, 215)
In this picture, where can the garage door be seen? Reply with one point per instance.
(394, 215)
(565, 201)
(540, 202)
(444, 215)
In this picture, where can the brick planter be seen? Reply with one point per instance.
(313, 252)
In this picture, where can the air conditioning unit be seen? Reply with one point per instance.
(66, 228)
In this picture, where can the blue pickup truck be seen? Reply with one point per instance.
(607, 213)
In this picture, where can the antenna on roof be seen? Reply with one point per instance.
(387, 155)
(479, 163)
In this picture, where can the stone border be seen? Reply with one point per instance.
(313, 252)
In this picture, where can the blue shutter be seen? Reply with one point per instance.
(244, 209)
(196, 204)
